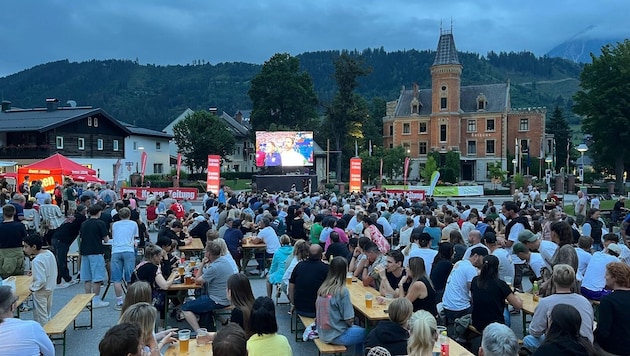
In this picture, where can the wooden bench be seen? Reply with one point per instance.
(73, 257)
(305, 321)
(68, 314)
(325, 348)
(223, 315)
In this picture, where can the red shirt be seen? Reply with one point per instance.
(178, 209)
(151, 212)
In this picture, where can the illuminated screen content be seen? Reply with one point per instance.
(284, 148)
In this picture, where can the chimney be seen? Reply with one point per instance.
(6, 105)
(52, 104)
(213, 110)
(239, 117)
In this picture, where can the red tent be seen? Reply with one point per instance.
(87, 178)
(51, 170)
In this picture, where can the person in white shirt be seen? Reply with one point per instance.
(594, 282)
(474, 239)
(624, 256)
(268, 236)
(469, 225)
(506, 267)
(594, 202)
(533, 259)
(41, 196)
(387, 228)
(456, 299)
(44, 272)
(20, 337)
(451, 224)
(420, 246)
(124, 234)
(584, 253)
(534, 242)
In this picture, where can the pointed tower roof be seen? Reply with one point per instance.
(446, 51)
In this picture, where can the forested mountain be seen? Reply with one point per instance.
(152, 96)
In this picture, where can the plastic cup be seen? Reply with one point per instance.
(203, 337)
(349, 277)
(188, 279)
(369, 298)
(181, 269)
(184, 340)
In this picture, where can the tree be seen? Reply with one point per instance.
(497, 174)
(202, 134)
(394, 161)
(429, 167)
(452, 167)
(559, 128)
(604, 101)
(373, 128)
(283, 95)
(346, 115)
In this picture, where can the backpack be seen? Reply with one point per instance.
(107, 198)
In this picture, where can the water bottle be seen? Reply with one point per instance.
(535, 291)
(443, 344)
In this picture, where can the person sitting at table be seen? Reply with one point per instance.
(265, 339)
(533, 259)
(278, 263)
(199, 228)
(230, 340)
(375, 261)
(150, 271)
(266, 235)
(239, 292)
(392, 334)
(563, 278)
(214, 272)
(489, 294)
(297, 226)
(393, 272)
(24, 337)
(144, 315)
(417, 287)
(335, 313)
(373, 233)
(336, 247)
(174, 231)
(563, 337)
(498, 340)
(441, 268)
(306, 278)
(359, 259)
(594, 282)
(233, 237)
(613, 331)
(299, 254)
(225, 252)
(122, 339)
(420, 247)
(423, 334)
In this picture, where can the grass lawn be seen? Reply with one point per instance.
(239, 184)
(603, 205)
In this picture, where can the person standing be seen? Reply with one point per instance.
(93, 233)
(42, 196)
(70, 198)
(11, 254)
(62, 239)
(44, 272)
(581, 206)
(124, 233)
(51, 218)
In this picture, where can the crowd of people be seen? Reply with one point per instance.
(438, 264)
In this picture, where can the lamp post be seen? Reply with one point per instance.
(514, 162)
(582, 148)
(548, 160)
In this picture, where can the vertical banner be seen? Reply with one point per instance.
(406, 171)
(179, 165)
(214, 174)
(381, 172)
(434, 180)
(355, 175)
(117, 174)
(143, 165)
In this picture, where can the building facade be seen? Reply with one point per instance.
(477, 120)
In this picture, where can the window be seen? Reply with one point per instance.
(422, 148)
(423, 127)
(81, 143)
(523, 125)
(472, 147)
(407, 147)
(406, 128)
(490, 147)
(482, 104)
(158, 168)
(59, 141)
(89, 120)
(115, 144)
(158, 146)
(524, 146)
(442, 103)
(237, 168)
(135, 146)
(391, 145)
(96, 122)
(99, 144)
(442, 133)
(391, 130)
(472, 125)
(489, 124)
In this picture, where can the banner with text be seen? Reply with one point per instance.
(411, 193)
(176, 193)
(143, 166)
(214, 174)
(355, 175)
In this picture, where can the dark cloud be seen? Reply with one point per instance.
(177, 32)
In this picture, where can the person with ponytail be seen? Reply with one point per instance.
(423, 334)
(417, 287)
(489, 294)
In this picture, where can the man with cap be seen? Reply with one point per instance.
(533, 259)
(594, 282)
(456, 299)
(624, 256)
(534, 242)
(474, 239)
(421, 247)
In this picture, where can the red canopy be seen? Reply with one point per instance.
(52, 170)
(87, 178)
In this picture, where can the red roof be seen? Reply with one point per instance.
(56, 164)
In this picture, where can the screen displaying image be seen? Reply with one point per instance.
(284, 148)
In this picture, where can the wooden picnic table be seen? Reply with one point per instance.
(195, 246)
(172, 291)
(249, 249)
(357, 297)
(22, 287)
(529, 306)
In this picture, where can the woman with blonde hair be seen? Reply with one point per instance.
(150, 271)
(225, 252)
(335, 313)
(300, 253)
(137, 292)
(392, 334)
(144, 315)
(423, 336)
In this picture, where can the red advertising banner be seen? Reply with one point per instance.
(176, 193)
(412, 194)
(214, 174)
(406, 170)
(143, 164)
(355, 174)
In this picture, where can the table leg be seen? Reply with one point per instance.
(524, 323)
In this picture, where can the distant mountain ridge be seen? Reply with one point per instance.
(152, 96)
(579, 47)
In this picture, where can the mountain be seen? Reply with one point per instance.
(152, 96)
(579, 47)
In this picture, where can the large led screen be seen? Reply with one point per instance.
(284, 148)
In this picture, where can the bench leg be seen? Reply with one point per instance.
(89, 326)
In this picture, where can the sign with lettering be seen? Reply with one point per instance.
(355, 175)
(214, 174)
(176, 193)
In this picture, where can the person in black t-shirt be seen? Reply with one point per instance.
(62, 238)
(12, 233)
(336, 248)
(393, 272)
(305, 280)
(94, 233)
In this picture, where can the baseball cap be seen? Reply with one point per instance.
(527, 236)
(200, 218)
(614, 248)
(519, 248)
(490, 237)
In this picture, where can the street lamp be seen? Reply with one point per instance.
(514, 161)
(548, 160)
(582, 148)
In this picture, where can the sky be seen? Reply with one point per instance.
(165, 32)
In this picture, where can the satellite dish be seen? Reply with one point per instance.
(72, 103)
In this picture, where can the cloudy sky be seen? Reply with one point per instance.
(33, 32)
